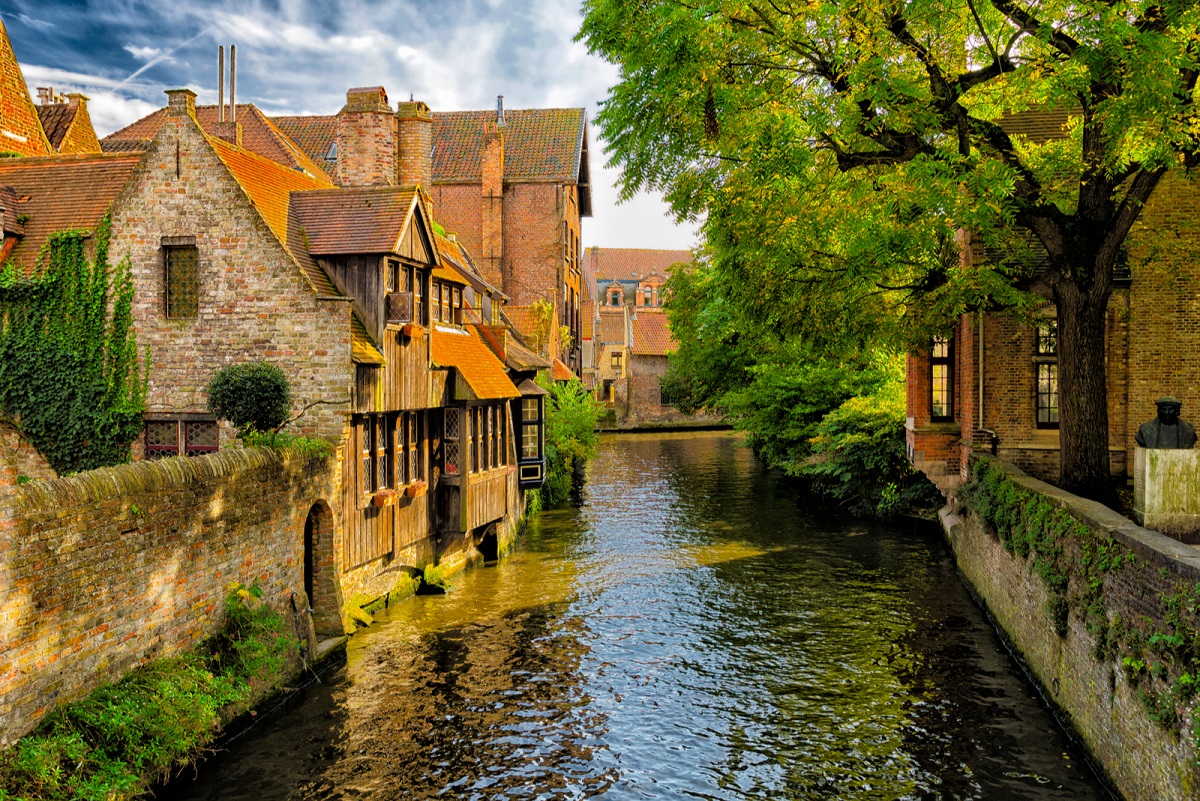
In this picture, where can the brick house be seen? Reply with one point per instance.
(66, 121)
(350, 289)
(21, 132)
(992, 382)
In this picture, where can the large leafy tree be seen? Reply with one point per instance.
(839, 149)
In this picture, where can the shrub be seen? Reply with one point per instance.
(254, 396)
(571, 417)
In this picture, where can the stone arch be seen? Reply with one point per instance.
(320, 572)
(489, 543)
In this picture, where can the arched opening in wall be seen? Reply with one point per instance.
(319, 578)
(489, 544)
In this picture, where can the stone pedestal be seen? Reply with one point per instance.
(1166, 492)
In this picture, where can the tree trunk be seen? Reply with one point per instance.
(1083, 394)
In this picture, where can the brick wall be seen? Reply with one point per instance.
(366, 140)
(255, 304)
(1142, 758)
(108, 569)
(644, 394)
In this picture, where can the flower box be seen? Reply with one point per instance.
(416, 489)
(412, 330)
(385, 497)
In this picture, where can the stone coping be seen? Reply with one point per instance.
(1158, 549)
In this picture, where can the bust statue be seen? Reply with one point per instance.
(1167, 430)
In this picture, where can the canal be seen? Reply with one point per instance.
(689, 630)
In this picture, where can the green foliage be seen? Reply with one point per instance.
(572, 414)
(125, 736)
(835, 150)
(306, 446)
(69, 372)
(253, 396)
(858, 456)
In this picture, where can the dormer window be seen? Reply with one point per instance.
(648, 296)
(614, 297)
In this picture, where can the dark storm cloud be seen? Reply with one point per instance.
(300, 56)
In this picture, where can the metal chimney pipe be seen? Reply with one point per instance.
(233, 83)
(500, 123)
(221, 83)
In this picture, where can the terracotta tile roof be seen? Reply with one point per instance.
(354, 219)
(651, 334)
(623, 264)
(56, 120)
(522, 320)
(62, 193)
(612, 326)
(362, 349)
(259, 135)
(474, 362)
(540, 144)
(519, 357)
(587, 322)
(20, 129)
(560, 372)
(124, 145)
(315, 134)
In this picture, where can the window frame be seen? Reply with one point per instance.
(946, 361)
(1047, 399)
(172, 245)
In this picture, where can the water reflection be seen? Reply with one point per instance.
(687, 632)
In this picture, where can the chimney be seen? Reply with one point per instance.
(414, 124)
(227, 127)
(366, 139)
(500, 123)
(76, 100)
(181, 102)
(492, 216)
(221, 84)
(233, 83)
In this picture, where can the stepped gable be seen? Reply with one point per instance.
(68, 126)
(651, 335)
(259, 135)
(60, 194)
(20, 129)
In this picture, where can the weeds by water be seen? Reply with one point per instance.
(122, 738)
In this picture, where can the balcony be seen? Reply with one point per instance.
(400, 308)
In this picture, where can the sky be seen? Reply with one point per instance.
(300, 57)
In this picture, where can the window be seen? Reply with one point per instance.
(164, 438)
(418, 285)
(493, 437)
(181, 265)
(446, 318)
(391, 275)
(383, 449)
(502, 413)
(456, 307)
(648, 296)
(451, 432)
(376, 433)
(614, 298)
(616, 361)
(366, 430)
(1045, 351)
(411, 465)
(941, 380)
(530, 419)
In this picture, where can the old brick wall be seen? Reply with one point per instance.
(1142, 758)
(645, 374)
(254, 302)
(108, 569)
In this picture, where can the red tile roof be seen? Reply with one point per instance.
(354, 219)
(314, 134)
(651, 334)
(56, 120)
(612, 325)
(62, 193)
(541, 144)
(609, 264)
(477, 367)
(20, 130)
(560, 372)
(523, 320)
(259, 135)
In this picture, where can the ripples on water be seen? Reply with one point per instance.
(689, 631)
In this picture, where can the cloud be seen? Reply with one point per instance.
(35, 23)
(143, 53)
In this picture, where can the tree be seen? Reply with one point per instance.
(69, 375)
(837, 149)
(255, 397)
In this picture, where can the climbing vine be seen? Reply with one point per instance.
(69, 373)
(1159, 654)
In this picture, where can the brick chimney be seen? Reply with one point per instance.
(366, 139)
(492, 217)
(415, 130)
(181, 102)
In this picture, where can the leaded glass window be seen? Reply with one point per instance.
(1047, 395)
(182, 268)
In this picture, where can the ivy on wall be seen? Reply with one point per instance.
(69, 374)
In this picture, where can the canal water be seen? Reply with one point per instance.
(689, 630)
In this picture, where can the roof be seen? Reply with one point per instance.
(259, 135)
(587, 323)
(62, 193)
(315, 134)
(617, 264)
(520, 358)
(1041, 124)
(56, 121)
(522, 320)
(612, 325)
(651, 334)
(362, 349)
(353, 219)
(540, 144)
(20, 129)
(560, 372)
(477, 367)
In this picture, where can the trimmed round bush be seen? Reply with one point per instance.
(254, 396)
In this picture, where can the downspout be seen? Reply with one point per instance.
(982, 430)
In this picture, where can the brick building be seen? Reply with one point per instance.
(993, 381)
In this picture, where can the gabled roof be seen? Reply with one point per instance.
(354, 219)
(68, 126)
(62, 193)
(624, 264)
(560, 372)
(478, 368)
(456, 255)
(20, 129)
(259, 135)
(651, 334)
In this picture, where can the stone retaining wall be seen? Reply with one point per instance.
(105, 570)
(1143, 759)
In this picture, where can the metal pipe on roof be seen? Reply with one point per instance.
(500, 123)
(221, 83)
(233, 83)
